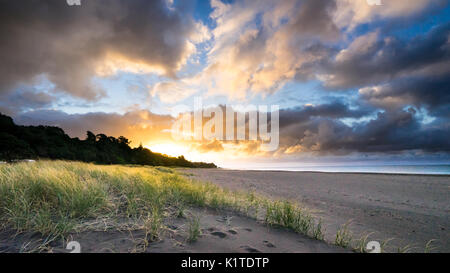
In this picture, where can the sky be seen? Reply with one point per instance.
(353, 80)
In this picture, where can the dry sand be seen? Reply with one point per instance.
(220, 233)
(412, 209)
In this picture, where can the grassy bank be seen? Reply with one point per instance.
(55, 198)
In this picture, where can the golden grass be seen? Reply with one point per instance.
(56, 198)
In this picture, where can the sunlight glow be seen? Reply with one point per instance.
(170, 149)
(186, 150)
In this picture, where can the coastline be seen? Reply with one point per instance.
(330, 172)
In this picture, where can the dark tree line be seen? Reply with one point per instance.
(34, 142)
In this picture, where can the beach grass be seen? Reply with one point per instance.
(288, 214)
(55, 198)
(194, 229)
(343, 236)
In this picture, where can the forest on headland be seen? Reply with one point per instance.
(49, 142)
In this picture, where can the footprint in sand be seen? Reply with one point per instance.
(250, 249)
(225, 219)
(268, 244)
(232, 231)
(218, 234)
(172, 226)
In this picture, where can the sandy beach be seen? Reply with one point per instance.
(221, 232)
(177, 212)
(410, 209)
(129, 209)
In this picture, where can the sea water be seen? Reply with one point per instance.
(349, 167)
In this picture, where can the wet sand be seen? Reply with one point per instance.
(411, 209)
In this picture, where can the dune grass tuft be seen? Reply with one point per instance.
(289, 215)
(343, 236)
(194, 230)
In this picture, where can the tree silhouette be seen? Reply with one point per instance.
(26, 142)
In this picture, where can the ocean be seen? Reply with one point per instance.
(443, 169)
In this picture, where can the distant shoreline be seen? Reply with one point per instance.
(330, 172)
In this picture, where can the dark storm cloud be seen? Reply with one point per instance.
(373, 60)
(431, 92)
(314, 18)
(391, 131)
(391, 75)
(325, 129)
(334, 110)
(399, 131)
(68, 43)
(320, 56)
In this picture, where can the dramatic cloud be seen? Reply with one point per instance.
(332, 110)
(397, 131)
(382, 84)
(317, 130)
(260, 45)
(71, 44)
(428, 92)
(322, 130)
(248, 56)
(373, 59)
